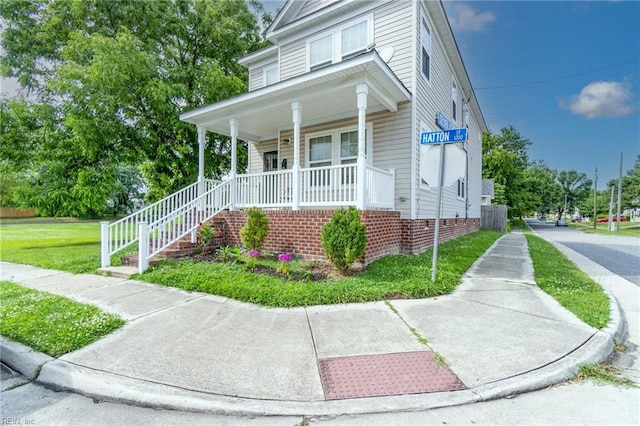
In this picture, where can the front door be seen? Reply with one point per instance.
(270, 182)
(270, 161)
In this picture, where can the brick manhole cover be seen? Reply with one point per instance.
(386, 374)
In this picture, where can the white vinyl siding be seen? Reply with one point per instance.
(425, 45)
(432, 96)
(388, 19)
(255, 78)
(292, 59)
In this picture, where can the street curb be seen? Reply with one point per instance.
(22, 358)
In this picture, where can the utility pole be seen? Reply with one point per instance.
(610, 223)
(619, 194)
(595, 199)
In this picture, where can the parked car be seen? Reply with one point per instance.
(615, 219)
(561, 223)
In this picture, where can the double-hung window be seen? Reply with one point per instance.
(321, 52)
(425, 39)
(461, 188)
(340, 43)
(270, 74)
(320, 155)
(454, 97)
(355, 39)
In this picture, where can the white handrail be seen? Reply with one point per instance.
(122, 233)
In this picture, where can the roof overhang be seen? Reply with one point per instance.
(326, 94)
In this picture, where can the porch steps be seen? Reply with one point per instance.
(118, 271)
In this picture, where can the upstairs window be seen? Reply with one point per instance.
(425, 39)
(321, 52)
(270, 75)
(454, 97)
(340, 43)
(354, 39)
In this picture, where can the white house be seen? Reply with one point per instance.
(334, 114)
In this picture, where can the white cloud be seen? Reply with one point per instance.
(467, 19)
(601, 99)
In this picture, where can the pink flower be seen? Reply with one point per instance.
(253, 253)
(285, 257)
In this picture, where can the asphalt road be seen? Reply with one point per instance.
(619, 254)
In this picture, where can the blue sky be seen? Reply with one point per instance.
(566, 75)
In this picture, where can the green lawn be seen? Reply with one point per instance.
(72, 247)
(627, 229)
(390, 277)
(571, 287)
(48, 323)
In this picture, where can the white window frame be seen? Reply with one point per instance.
(425, 45)
(265, 72)
(462, 189)
(336, 159)
(336, 34)
(454, 99)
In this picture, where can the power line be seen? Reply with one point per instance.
(530, 83)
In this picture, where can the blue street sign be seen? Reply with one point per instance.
(443, 122)
(443, 136)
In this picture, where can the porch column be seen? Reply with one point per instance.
(233, 124)
(297, 117)
(202, 140)
(362, 90)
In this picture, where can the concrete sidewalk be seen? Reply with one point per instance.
(498, 333)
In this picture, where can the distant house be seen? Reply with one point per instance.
(333, 118)
(487, 192)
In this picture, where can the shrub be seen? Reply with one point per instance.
(255, 231)
(344, 238)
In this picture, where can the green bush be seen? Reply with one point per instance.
(344, 238)
(255, 231)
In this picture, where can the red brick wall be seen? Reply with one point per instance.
(298, 232)
(417, 235)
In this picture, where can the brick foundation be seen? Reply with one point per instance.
(298, 232)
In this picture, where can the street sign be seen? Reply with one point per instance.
(443, 122)
(443, 136)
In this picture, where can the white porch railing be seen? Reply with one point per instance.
(319, 187)
(121, 234)
(269, 189)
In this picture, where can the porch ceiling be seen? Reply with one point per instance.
(325, 94)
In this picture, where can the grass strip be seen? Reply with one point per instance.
(571, 287)
(51, 324)
(399, 276)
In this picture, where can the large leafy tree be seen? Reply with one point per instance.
(117, 75)
(576, 189)
(544, 192)
(505, 159)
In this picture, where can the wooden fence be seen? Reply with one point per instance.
(16, 212)
(493, 218)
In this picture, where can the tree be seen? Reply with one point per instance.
(542, 186)
(118, 75)
(504, 159)
(576, 188)
(631, 187)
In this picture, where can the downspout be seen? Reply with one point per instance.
(414, 112)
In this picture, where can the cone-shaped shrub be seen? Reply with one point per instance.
(255, 231)
(344, 238)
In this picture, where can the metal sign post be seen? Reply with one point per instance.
(440, 138)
